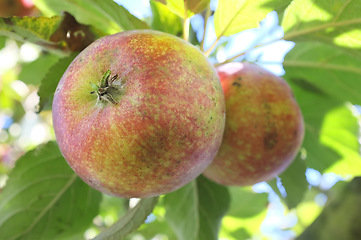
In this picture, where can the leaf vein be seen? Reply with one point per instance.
(39, 180)
(293, 34)
(342, 9)
(48, 207)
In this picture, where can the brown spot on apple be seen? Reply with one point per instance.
(270, 140)
(237, 84)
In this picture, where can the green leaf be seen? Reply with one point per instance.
(294, 181)
(245, 203)
(233, 16)
(44, 199)
(340, 219)
(50, 82)
(164, 20)
(132, 219)
(34, 72)
(340, 131)
(328, 143)
(35, 30)
(105, 15)
(246, 213)
(59, 33)
(155, 225)
(193, 6)
(2, 42)
(329, 68)
(196, 210)
(319, 156)
(335, 22)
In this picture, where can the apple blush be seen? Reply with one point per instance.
(139, 114)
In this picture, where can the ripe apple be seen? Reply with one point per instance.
(264, 126)
(139, 113)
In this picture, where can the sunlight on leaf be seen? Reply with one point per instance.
(233, 16)
(340, 123)
(333, 69)
(307, 212)
(328, 141)
(193, 6)
(235, 228)
(165, 20)
(349, 39)
(324, 21)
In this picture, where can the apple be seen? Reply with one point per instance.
(264, 126)
(139, 113)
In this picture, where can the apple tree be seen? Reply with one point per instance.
(314, 44)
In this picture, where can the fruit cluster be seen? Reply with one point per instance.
(142, 113)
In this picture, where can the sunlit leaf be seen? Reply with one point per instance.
(319, 156)
(307, 211)
(324, 77)
(335, 22)
(233, 16)
(333, 70)
(165, 20)
(246, 213)
(105, 15)
(203, 204)
(43, 190)
(193, 6)
(340, 131)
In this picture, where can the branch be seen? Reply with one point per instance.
(207, 15)
(186, 22)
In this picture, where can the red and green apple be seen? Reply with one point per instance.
(264, 126)
(139, 113)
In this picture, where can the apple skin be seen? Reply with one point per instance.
(165, 128)
(264, 126)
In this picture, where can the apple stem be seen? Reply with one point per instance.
(104, 81)
(103, 90)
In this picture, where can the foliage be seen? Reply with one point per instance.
(43, 191)
(44, 199)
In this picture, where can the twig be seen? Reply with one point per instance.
(207, 15)
(186, 22)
